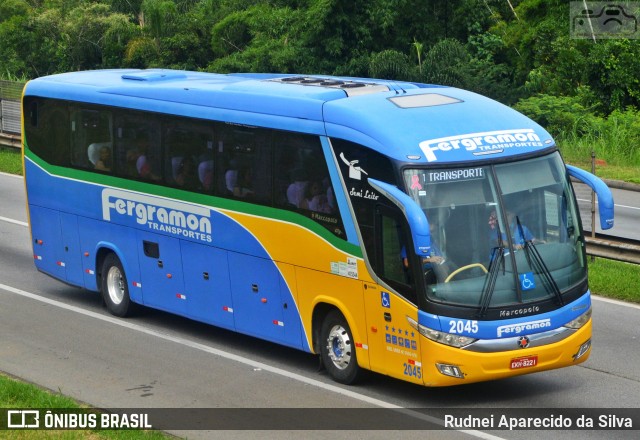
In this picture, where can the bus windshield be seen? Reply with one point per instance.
(501, 235)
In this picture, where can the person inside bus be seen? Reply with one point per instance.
(316, 198)
(296, 190)
(520, 234)
(231, 176)
(186, 175)
(243, 185)
(435, 266)
(138, 158)
(205, 173)
(104, 162)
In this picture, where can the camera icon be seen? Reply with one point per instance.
(603, 20)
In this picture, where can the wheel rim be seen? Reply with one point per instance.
(115, 285)
(339, 347)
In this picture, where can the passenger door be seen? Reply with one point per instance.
(394, 344)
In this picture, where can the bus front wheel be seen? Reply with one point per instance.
(338, 350)
(115, 290)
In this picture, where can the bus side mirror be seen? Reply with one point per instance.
(605, 198)
(416, 218)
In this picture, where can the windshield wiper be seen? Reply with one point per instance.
(537, 263)
(497, 259)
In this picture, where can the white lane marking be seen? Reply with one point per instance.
(15, 222)
(17, 176)
(616, 301)
(615, 204)
(242, 360)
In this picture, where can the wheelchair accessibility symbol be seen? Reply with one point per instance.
(526, 281)
(385, 300)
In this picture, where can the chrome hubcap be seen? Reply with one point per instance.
(115, 285)
(339, 347)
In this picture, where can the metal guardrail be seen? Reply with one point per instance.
(10, 93)
(10, 140)
(613, 248)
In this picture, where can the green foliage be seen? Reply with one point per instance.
(157, 17)
(390, 64)
(558, 114)
(141, 52)
(614, 138)
(262, 38)
(91, 33)
(613, 73)
(445, 64)
(11, 8)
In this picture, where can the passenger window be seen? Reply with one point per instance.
(91, 143)
(245, 164)
(138, 153)
(48, 129)
(189, 155)
(302, 182)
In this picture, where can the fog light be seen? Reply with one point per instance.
(450, 370)
(584, 348)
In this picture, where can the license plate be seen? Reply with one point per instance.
(524, 362)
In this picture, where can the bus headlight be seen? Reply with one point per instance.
(452, 340)
(580, 320)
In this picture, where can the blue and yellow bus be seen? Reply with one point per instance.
(422, 232)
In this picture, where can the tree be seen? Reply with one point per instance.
(612, 72)
(391, 64)
(262, 38)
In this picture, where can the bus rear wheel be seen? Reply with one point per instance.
(338, 350)
(115, 290)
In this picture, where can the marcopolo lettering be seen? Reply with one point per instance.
(479, 143)
(158, 214)
(523, 311)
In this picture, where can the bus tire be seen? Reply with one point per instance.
(338, 349)
(115, 289)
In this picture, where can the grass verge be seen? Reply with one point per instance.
(615, 279)
(16, 394)
(10, 161)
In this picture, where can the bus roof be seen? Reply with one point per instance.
(406, 121)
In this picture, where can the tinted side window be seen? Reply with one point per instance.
(137, 146)
(302, 182)
(47, 129)
(189, 154)
(91, 143)
(392, 258)
(244, 163)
